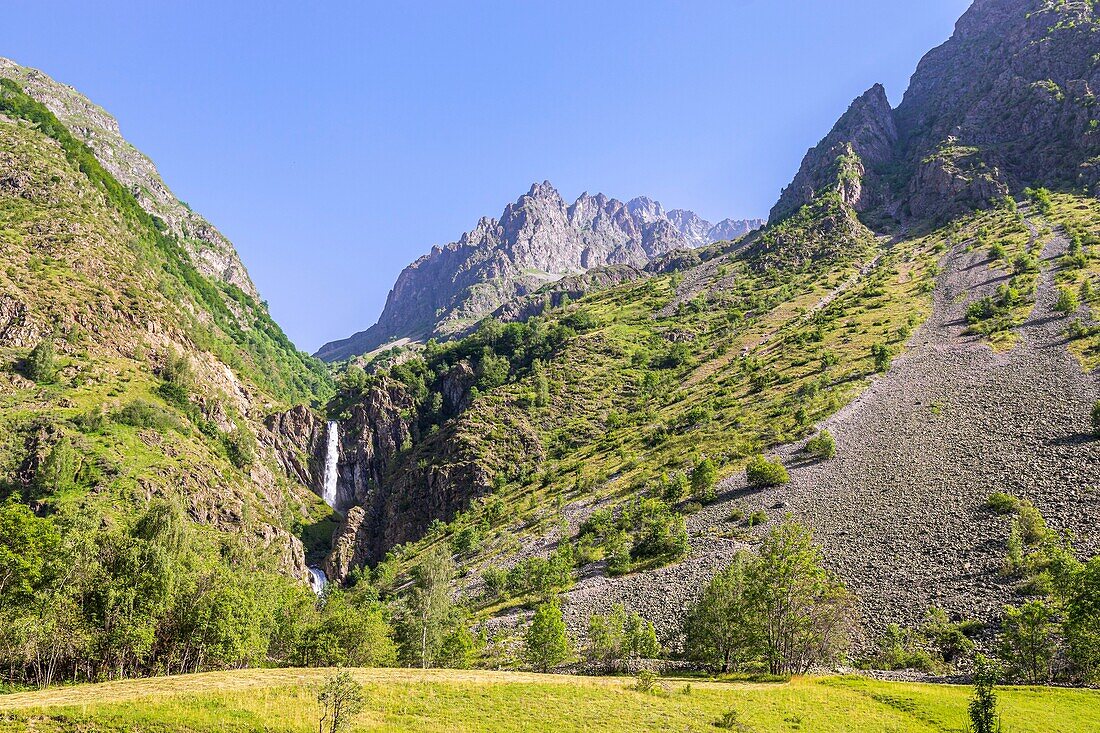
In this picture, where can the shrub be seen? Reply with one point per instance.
(981, 310)
(240, 447)
(40, 364)
(1025, 263)
(762, 472)
(881, 354)
(1096, 419)
(1002, 503)
(997, 251)
(1067, 301)
(646, 680)
(822, 445)
(703, 477)
(758, 517)
(983, 706)
(141, 414)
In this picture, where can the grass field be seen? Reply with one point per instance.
(436, 700)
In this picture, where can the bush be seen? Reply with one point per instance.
(1001, 503)
(983, 706)
(758, 517)
(1096, 419)
(1067, 301)
(141, 414)
(981, 310)
(762, 472)
(881, 354)
(1025, 263)
(40, 364)
(703, 477)
(822, 445)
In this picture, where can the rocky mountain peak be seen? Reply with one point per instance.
(1007, 102)
(863, 138)
(537, 240)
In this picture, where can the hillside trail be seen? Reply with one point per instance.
(899, 510)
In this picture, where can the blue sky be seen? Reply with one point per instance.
(335, 142)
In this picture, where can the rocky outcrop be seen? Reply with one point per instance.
(571, 287)
(380, 424)
(537, 240)
(212, 254)
(297, 440)
(861, 141)
(347, 547)
(1008, 102)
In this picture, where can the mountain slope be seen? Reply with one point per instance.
(935, 357)
(537, 240)
(212, 254)
(163, 376)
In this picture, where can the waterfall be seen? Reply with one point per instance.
(331, 458)
(317, 580)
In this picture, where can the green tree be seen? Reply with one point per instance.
(341, 699)
(546, 643)
(41, 363)
(1029, 641)
(703, 477)
(542, 384)
(803, 612)
(57, 472)
(721, 629)
(618, 636)
(1081, 624)
(432, 606)
(983, 706)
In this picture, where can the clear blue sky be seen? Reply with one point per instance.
(335, 142)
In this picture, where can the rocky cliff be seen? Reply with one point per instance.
(1008, 102)
(538, 239)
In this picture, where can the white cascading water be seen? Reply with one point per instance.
(317, 580)
(331, 459)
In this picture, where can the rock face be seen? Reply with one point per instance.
(538, 239)
(864, 137)
(1008, 102)
(212, 254)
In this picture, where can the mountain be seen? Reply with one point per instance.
(212, 254)
(907, 296)
(905, 361)
(538, 239)
(163, 364)
(1007, 102)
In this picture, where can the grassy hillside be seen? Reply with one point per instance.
(132, 389)
(437, 700)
